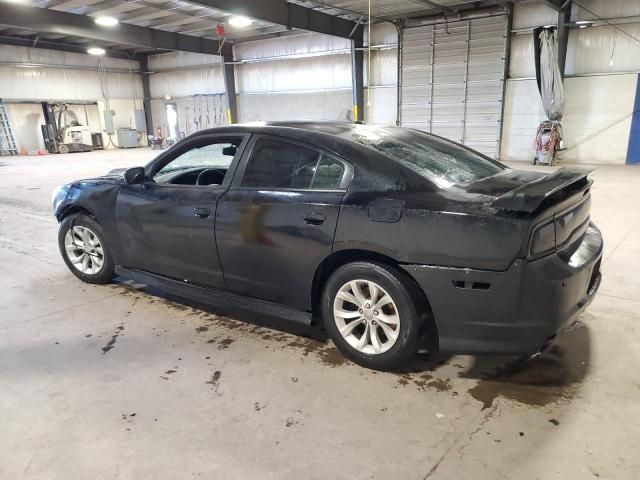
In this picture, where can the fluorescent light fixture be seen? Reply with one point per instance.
(583, 26)
(106, 21)
(240, 21)
(96, 51)
(584, 22)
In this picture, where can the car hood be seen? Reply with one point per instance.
(113, 177)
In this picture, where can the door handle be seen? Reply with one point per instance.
(201, 212)
(314, 218)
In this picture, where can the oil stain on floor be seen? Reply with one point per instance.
(551, 377)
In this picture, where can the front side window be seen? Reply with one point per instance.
(441, 161)
(278, 164)
(202, 165)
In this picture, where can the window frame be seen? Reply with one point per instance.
(190, 143)
(347, 175)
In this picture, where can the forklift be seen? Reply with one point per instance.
(64, 139)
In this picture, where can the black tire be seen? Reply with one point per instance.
(105, 273)
(400, 289)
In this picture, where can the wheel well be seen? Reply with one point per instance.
(73, 210)
(337, 259)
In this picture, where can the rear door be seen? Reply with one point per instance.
(277, 221)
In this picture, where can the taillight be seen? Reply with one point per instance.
(543, 239)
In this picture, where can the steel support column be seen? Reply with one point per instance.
(357, 74)
(146, 93)
(564, 17)
(230, 86)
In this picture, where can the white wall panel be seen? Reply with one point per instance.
(607, 9)
(182, 83)
(383, 106)
(523, 113)
(598, 106)
(603, 49)
(9, 53)
(327, 105)
(384, 67)
(383, 34)
(521, 65)
(182, 59)
(62, 84)
(298, 74)
(533, 14)
(309, 43)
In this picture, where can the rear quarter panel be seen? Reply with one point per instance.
(431, 233)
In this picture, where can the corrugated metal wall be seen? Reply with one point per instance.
(297, 77)
(29, 76)
(452, 79)
(602, 68)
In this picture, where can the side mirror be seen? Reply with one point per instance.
(134, 175)
(229, 151)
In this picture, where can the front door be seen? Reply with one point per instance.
(276, 223)
(167, 224)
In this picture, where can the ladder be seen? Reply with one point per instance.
(7, 142)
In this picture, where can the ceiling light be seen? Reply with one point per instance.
(240, 21)
(96, 51)
(583, 26)
(584, 22)
(106, 21)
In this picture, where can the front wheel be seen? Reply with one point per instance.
(83, 248)
(371, 315)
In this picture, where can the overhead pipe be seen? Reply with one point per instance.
(456, 17)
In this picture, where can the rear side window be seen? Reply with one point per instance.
(328, 174)
(277, 164)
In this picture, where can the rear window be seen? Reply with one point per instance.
(441, 161)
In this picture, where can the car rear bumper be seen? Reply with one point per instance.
(516, 311)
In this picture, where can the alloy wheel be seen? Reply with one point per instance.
(84, 250)
(366, 316)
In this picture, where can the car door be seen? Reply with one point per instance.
(277, 222)
(167, 224)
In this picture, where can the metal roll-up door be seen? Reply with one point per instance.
(452, 80)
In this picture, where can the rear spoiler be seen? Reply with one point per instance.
(529, 197)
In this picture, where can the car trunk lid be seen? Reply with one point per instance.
(557, 187)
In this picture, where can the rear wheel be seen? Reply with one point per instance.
(371, 315)
(82, 245)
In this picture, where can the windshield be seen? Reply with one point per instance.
(441, 161)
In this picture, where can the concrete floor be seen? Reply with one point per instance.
(107, 382)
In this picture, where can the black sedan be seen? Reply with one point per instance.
(396, 239)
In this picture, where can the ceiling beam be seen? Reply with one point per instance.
(284, 13)
(36, 42)
(69, 24)
(555, 4)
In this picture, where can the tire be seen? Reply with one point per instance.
(398, 336)
(81, 230)
(62, 148)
